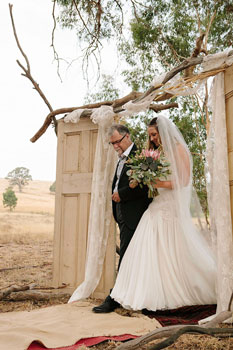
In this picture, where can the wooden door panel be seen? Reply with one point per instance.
(72, 151)
(70, 204)
(76, 183)
(75, 162)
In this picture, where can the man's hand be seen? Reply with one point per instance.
(133, 183)
(116, 197)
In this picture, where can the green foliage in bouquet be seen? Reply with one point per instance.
(147, 166)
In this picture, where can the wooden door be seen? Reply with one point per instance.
(75, 159)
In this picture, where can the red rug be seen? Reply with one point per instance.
(182, 315)
(86, 341)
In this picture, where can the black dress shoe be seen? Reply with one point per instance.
(108, 305)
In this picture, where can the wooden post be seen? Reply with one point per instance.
(75, 160)
(229, 126)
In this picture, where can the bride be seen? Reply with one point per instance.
(168, 263)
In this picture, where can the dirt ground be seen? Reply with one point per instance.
(26, 245)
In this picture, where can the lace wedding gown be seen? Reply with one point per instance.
(165, 267)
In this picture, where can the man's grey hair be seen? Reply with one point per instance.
(122, 129)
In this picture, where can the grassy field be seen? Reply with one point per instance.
(26, 239)
(33, 216)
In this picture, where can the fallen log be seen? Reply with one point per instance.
(35, 295)
(14, 289)
(33, 286)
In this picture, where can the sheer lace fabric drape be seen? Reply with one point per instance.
(219, 193)
(100, 207)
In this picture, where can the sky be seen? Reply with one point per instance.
(22, 109)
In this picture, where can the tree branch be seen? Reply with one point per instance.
(28, 69)
(16, 38)
(88, 110)
(117, 104)
(55, 54)
(134, 96)
(160, 107)
(198, 19)
(208, 29)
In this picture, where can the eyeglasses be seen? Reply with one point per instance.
(117, 141)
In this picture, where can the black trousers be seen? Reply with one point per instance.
(125, 233)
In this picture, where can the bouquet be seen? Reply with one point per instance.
(145, 167)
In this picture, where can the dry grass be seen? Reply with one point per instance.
(26, 240)
(33, 217)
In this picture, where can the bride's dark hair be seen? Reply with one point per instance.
(153, 123)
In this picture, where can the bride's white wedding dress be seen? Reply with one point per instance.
(165, 267)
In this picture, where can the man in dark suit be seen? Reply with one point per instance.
(128, 204)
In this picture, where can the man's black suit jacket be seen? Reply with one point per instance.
(133, 201)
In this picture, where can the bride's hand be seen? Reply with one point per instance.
(162, 184)
(157, 183)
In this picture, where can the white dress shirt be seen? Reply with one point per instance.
(121, 162)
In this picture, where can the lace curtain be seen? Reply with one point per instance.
(101, 204)
(219, 193)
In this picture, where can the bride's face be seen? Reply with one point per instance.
(154, 135)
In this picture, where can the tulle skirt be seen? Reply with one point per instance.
(165, 267)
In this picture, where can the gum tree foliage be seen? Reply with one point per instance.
(92, 20)
(19, 177)
(165, 32)
(104, 91)
(9, 199)
(152, 37)
(150, 34)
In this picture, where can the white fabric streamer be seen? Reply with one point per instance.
(179, 88)
(102, 115)
(74, 116)
(216, 60)
(131, 107)
(100, 208)
(158, 79)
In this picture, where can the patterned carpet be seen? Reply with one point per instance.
(183, 315)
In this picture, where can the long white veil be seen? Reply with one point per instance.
(178, 154)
